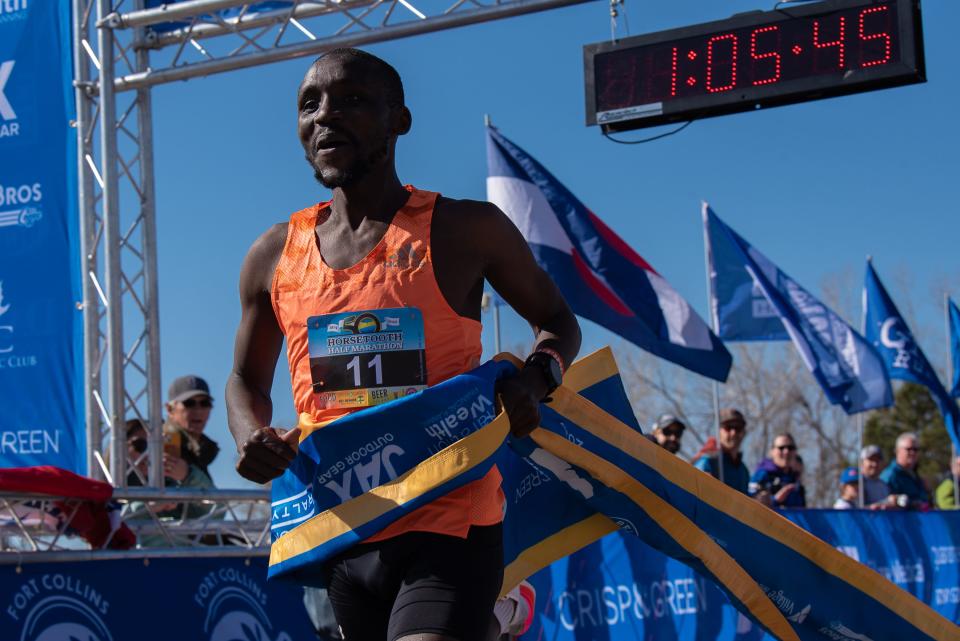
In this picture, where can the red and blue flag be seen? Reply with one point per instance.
(602, 278)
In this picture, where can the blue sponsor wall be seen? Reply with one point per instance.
(206, 599)
(40, 320)
(619, 589)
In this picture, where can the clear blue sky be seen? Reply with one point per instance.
(815, 186)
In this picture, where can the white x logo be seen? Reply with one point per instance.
(6, 109)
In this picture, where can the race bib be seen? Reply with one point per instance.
(364, 358)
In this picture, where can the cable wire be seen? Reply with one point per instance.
(651, 138)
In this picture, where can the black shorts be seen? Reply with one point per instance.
(418, 582)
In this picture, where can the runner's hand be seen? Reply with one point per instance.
(520, 397)
(267, 453)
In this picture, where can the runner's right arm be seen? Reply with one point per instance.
(264, 454)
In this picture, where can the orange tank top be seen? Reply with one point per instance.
(398, 272)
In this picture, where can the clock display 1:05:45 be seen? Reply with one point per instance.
(855, 38)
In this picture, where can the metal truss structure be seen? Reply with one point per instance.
(121, 50)
(174, 523)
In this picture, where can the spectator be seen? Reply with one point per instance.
(849, 490)
(188, 409)
(876, 494)
(732, 430)
(946, 498)
(901, 475)
(177, 472)
(667, 432)
(775, 483)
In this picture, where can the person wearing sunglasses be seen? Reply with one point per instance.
(776, 482)
(189, 404)
(901, 475)
(667, 432)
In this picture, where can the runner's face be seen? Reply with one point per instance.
(344, 120)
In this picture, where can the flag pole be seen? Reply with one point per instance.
(860, 422)
(714, 322)
(953, 448)
(493, 300)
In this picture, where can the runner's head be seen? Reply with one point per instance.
(351, 110)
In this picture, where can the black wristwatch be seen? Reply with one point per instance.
(549, 367)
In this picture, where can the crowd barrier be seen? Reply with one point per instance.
(619, 589)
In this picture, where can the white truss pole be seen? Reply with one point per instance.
(148, 245)
(85, 125)
(447, 20)
(109, 172)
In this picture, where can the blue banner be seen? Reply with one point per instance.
(738, 307)
(201, 598)
(620, 589)
(846, 366)
(901, 354)
(40, 321)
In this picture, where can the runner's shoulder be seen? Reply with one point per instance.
(472, 219)
(262, 258)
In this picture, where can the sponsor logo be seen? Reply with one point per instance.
(800, 616)
(565, 474)
(57, 606)
(235, 606)
(406, 257)
(13, 10)
(9, 127)
(365, 323)
(626, 525)
(839, 632)
(612, 605)
(8, 360)
(19, 204)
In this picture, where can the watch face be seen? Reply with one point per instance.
(555, 372)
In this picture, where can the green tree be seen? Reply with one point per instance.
(913, 411)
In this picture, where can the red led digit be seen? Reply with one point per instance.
(733, 63)
(673, 74)
(838, 43)
(764, 56)
(875, 36)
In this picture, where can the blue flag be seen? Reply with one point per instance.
(901, 354)
(602, 278)
(954, 347)
(739, 308)
(847, 367)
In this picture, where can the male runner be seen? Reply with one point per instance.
(434, 574)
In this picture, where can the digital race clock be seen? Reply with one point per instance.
(752, 60)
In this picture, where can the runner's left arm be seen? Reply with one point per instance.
(513, 272)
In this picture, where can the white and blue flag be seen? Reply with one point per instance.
(902, 356)
(848, 368)
(601, 277)
(739, 308)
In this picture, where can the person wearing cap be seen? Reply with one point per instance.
(733, 427)
(189, 404)
(849, 490)
(667, 432)
(876, 494)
